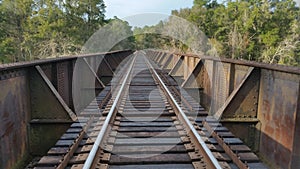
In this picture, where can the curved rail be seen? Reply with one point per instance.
(89, 161)
(210, 159)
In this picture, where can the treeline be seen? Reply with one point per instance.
(259, 30)
(33, 29)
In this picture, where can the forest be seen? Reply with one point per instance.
(257, 30)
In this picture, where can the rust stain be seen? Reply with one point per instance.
(13, 109)
(269, 130)
(266, 107)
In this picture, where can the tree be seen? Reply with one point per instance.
(116, 35)
(14, 18)
(45, 37)
(33, 29)
(92, 14)
(259, 30)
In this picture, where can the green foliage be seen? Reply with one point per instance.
(258, 30)
(14, 16)
(31, 29)
(120, 28)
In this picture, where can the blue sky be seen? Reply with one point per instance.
(133, 10)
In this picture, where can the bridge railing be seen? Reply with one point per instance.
(259, 102)
(36, 100)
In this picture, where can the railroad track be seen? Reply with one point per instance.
(143, 120)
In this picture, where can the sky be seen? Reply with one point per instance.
(143, 12)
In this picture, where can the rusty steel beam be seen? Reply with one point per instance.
(212, 77)
(14, 106)
(56, 94)
(277, 112)
(158, 57)
(167, 58)
(295, 162)
(194, 80)
(42, 89)
(231, 78)
(43, 117)
(99, 82)
(261, 105)
(178, 67)
(167, 64)
(27, 64)
(241, 103)
(161, 59)
(36, 103)
(281, 68)
(177, 70)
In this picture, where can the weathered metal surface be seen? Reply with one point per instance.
(60, 76)
(245, 100)
(220, 85)
(87, 79)
(260, 65)
(26, 64)
(177, 69)
(44, 136)
(247, 131)
(194, 79)
(277, 111)
(267, 107)
(162, 58)
(296, 143)
(56, 110)
(167, 64)
(31, 115)
(39, 92)
(206, 82)
(239, 74)
(165, 59)
(14, 112)
(64, 74)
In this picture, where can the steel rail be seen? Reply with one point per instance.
(89, 161)
(213, 162)
(73, 148)
(235, 158)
